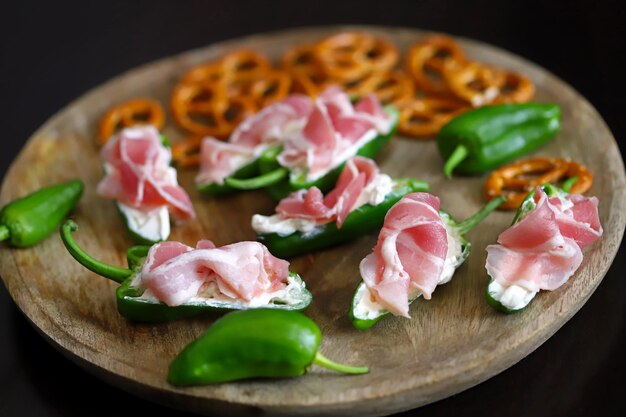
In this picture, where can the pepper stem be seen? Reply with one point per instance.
(261, 181)
(323, 361)
(471, 222)
(457, 156)
(569, 183)
(4, 232)
(114, 273)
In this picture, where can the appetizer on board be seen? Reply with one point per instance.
(418, 248)
(170, 280)
(543, 247)
(307, 220)
(139, 177)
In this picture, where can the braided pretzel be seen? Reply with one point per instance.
(204, 109)
(212, 72)
(422, 118)
(516, 88)
(185, 153)
(245, 64)
(273, 87)
(139, 111)
(351, 56)
(517, 179)
(426, 59)
(475, 83)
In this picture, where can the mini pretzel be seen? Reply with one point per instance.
(423, 117)
(212, 72)
(476, 83)
(394, 88)
(273, 87)
(139, 111)
(299, 59)
(516, 88)
(245, 64)
(204, 109)
(426, 59)
(350, 56)
(517, 179)
(185, 153)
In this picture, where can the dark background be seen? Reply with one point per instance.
(52, 52)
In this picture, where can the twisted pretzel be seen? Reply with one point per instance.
(185, 153)
(422, 118)
(516, 88)
(517, 179)
(205, 109)
(351, 56)
(139, 111)
(273, 87)
(426, 59)
(475, 83)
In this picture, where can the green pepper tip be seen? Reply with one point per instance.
(456, 157)
(323, 361)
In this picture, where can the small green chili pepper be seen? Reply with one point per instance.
(133, 306)
(457, 230)
(28, 220)
(284, 182)
(253, 343)
(480, 140)
(492, 294)
(249, 170)
(359, 222)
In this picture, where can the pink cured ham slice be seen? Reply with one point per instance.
(332, 132)
(219, 159)
(138, 173)
(410, 254)
(311, 204)
(174, 272)
(544, 249)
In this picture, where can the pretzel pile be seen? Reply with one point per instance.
(517, 179)
(435, 83)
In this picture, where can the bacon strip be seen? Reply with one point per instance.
(341, 201)
(138, 173)
(409, 257)
(332, 132)
(270, 126)
(544, 249)
(175, 272)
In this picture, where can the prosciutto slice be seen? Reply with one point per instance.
(273, 124)
(544, 249)
(409, 256)
(334, 131)
(138, 173)
(344, 198)
(175, 272)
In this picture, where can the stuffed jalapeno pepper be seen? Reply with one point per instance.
(139, 177)
(419, 247)
(543, 247)
(170, 280)
(307, 220)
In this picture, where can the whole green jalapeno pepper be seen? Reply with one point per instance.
(133, 306)
(480, 140)
(28, 220)
(280, 182)
(253, 343)
(359, 222)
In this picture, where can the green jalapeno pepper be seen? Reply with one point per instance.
(280, 182)
(359, 222)
(480, 140)
(253, 343)
(28, 220)
(493, 292)
(249, 170)
(366, 319)
(133, 306)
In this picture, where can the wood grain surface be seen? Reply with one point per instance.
(452, 342)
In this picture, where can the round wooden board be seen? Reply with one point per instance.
(451, 343)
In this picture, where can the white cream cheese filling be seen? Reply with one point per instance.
(513, 297)
(153, 225)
